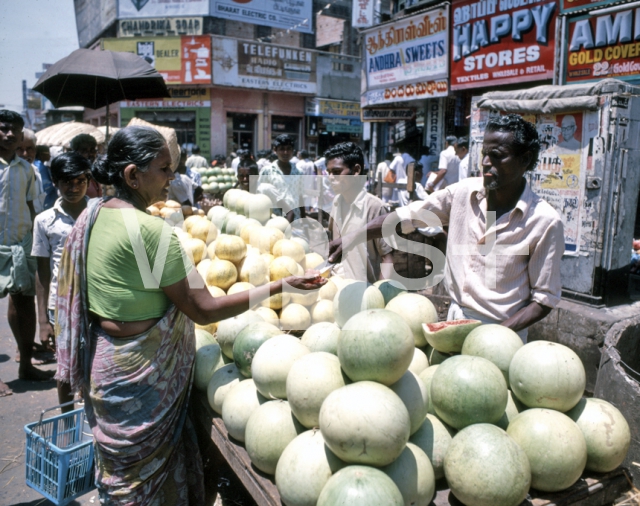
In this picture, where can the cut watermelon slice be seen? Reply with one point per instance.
(448, 337)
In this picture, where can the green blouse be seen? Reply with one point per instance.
(123, 278)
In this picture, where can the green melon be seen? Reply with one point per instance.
(412, 473)
(555, 446)
(419, 362)
(415, 310)
(426, 376)
(433, 438)
(238, 405)
(389, 289)
(467, 390)
(365, 423)
(360, 486)
(434, 356)
(496, 343)
(229, 329)
(547, 375)
(222, 381)
(304, 468)
(413, 393)
(272, 363)
(311, 379)
(485, 467)
(514, 407)
(248, 341)
(448, 337)
(270, 429)
(208, 360)
(375, 345)
(354, 298)
(322, 336)
(606, 433)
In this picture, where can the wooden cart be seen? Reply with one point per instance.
(591, 490)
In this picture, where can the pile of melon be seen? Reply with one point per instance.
(353, 413)
(216, 180)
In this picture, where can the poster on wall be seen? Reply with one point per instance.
(362, 13)
(153, 8)
(264, 66)
(559, 178)
(500, 42)
(603, 46)
(412, 50)
(180, 60)
(286, 14)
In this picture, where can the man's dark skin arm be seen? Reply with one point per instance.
(527, 316)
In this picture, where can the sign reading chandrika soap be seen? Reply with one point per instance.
(502, 41)
(264, 66)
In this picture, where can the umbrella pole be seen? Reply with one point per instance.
(106, 135)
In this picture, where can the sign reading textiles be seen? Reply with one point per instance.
(264, 66)
(603, 46)
(411, 50)
(153, 8)
(502, 41)
(287, 14)
(159, 26)
(402, 93)
(180, 60)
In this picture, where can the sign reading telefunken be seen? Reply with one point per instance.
(605, 45)
(154, 8)
(264, 66)
(502, 41)
(408, 51)
(287, 14)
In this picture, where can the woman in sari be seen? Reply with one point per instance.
(125, 329)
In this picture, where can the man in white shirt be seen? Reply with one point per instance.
(462, 151)
(448, 164)
(426, 159)
(418, 194)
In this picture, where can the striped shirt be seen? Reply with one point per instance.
(17, 187)
(496, 268)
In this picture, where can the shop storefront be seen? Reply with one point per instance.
(330, 122)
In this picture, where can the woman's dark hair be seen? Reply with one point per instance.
(525, 135)
(348, 152)
(131, 145)
(68, 166)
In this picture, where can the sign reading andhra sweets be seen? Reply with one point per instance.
(601, 46)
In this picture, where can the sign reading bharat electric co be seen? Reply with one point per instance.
(180, 60)
(287, 14)
(408, 51)
(264, 66)
(601, 46)
(502, 41)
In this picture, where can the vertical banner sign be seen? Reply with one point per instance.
(408, 59)
(362, 13)
(601, 46)
(502, 41)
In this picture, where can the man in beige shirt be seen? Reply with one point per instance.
(505, 243)
(352, 209)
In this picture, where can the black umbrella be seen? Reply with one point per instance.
(95, 79)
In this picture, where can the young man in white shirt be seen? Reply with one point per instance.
(462, 151)
(448, 165)
(418, 193)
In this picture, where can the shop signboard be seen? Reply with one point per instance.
(180, 60)
(159, 27)
(343, 125)
(286, 14)
(362, 13)
(496, 42)
(180, 97)
(603, 45)
(411, 50)
(388, 114)
(154, 8)
(403, 93)
(576, 5)
(263, 66)
(332, 108)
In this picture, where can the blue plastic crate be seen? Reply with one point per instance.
(59, 457)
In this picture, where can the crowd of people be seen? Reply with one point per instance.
(123, 329)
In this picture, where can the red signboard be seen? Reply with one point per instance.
(603, 46)
(497, 42)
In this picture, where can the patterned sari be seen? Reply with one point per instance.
(136, 391)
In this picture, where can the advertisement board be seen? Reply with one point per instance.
(602, 46)
(159, 26)
(264, 66)
(332, 108)
(180, 97)
(287, 14)
(412, 50)
(388, 114)
(180, 60)
(362, 13)
(404, 93)
(576, 5)
(497, 42)
(153, 8)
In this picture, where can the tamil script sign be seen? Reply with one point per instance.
(154, 8)
(362, 13)
(412, 50)
(180, 60)
(402, 93)
(379, 114)
(502, 41)
(264, 66)
(601, 46)
(159, 26)
(287, 14)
